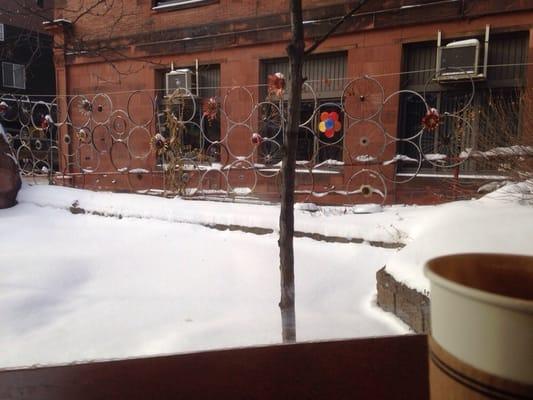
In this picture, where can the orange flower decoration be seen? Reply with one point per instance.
(329, 123)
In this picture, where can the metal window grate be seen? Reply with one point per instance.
(505, 52)
(325, 71)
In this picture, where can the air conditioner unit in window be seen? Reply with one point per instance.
(459, 60)
(178, 79)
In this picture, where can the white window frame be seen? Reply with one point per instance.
(171, 5)
(13, 67)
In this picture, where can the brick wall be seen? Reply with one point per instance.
(138, 16)
(369, 51)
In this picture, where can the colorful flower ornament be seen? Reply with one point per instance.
(431, 120)
(329, 123)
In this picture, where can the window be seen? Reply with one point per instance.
(14, 75)
(194, 140)
(168, 5)
(500, 90)
(2, 33)
(325, 74)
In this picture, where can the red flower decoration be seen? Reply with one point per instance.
(257, 138)
(45, 122)
(276, 84)
(431, 120)
(210, 108)
(329, 123)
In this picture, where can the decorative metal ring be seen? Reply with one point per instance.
(267, 158)
(399, 93)
(458, 71)
(134, 104)
(237, 167)
(358, 93)
(364, 141)
(119, 125)
(244, 141)
(79, 111)
(120, 156)
(213, 183)
(365, 188)
(102, 108)
(138, 147)
(398, 158)
(446, 157)
(247, 94)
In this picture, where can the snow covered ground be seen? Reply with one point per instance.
(151, 278)
(500, 222)
(387, 226)
(80, 287)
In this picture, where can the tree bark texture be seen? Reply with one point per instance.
(295, 51)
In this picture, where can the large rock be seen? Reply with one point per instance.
(9, 177)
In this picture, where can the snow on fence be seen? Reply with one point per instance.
(231, 144)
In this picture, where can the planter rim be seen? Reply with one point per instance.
(477, 294)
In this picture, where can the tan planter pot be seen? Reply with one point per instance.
(481, 343)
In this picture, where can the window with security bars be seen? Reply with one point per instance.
(14, 75)
(325, 75)
(471, 127)
(192, 108)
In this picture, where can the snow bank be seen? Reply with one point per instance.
(485, 225)
(499, 222)
(518, 192)
(387, 224)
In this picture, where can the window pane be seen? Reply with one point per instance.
(488, 117)
(326, 74)
(7, 73)
(19, 73)
(306, 138)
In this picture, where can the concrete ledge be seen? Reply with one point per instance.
(411, 306)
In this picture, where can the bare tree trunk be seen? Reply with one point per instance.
(295, 51)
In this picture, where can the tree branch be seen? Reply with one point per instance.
(321, 40)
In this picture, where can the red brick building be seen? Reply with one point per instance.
(379, 73)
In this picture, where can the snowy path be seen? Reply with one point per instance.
(80, 287)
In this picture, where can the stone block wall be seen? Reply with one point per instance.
(411, 306)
